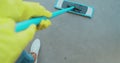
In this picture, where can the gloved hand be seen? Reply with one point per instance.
(20, 10)
(12, 43)
(35, 10)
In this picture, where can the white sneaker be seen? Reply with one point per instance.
(35, 47)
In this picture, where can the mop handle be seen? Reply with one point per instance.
(25, 24)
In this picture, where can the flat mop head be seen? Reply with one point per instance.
(79, 9)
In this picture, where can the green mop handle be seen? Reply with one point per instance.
(25, 24)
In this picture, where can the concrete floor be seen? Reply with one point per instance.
(77, 39)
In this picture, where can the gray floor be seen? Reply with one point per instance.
(77, 39)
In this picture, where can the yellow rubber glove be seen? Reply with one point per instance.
(20, 10)
(34, 10)
(12, 43)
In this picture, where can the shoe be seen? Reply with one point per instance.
(35, 47)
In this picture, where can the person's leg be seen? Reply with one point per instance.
(21, 57)
(25, 57)
(30, 58)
